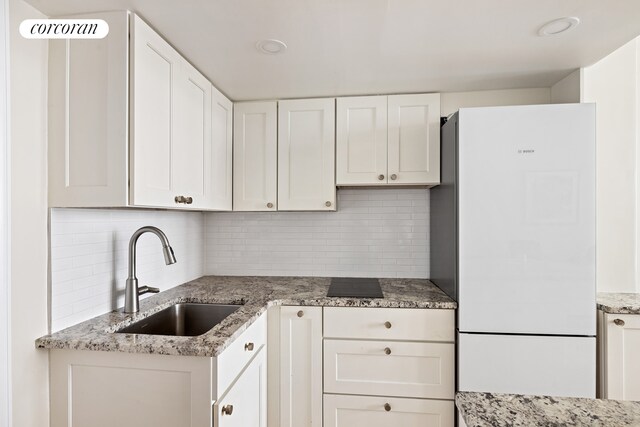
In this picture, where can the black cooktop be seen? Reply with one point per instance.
(355, 287)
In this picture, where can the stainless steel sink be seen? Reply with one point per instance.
(185, 319)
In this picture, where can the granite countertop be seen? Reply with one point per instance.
(255, 294)
(618, 303)
(514, 410)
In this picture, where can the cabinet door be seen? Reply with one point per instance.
(222, 152)
(154, 66)
(622, 375)
(191, 160)
(361, 140)
(88, 117)
(245, 403)
(300, 366)
(254, 156)
(348, 411)
(306, 155)
(414, 139)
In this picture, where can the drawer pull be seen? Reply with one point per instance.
(387, 407)
(387, 351)
(227, 410)
(248, 346)
(387, 325)
(619, 322)
(300, 313)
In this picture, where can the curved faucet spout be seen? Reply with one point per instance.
(131, 300)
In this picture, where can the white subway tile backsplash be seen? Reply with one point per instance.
(382, 232)
(89, 250)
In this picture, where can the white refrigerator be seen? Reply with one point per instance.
(513, 241)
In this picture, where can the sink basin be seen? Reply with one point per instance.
(185, 320)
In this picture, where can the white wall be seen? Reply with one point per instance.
(374, 233)
(28, 201)
(567, 90)
(452, 101)
(89, 257)
(4, 223)
(612, 84)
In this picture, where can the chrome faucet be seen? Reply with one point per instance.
(131, 291)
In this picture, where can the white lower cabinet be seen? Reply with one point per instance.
(245, 403)
(388, 367)
(372, 411)
(105, 389)
(300, 366)
(619, 347)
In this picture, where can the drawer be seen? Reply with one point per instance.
(369, 411)
(408, 324)
(235, 357)
(389, 368)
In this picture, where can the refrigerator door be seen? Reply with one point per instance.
(526, 215)
(522, 364)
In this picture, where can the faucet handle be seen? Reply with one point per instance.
(147, 290)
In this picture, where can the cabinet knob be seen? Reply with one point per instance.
(269, 205)
(327, 204)
(393, 176)
(380, 177)
(227, 410)
(180, 199)
(387, 407)
(300, 313)
(619, 322)
(387, 351)
(387, 325)
(248, 346)
(188, 200)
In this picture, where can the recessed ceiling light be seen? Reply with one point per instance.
(558, 26)
(271, 46)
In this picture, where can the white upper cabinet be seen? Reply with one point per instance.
(306, 154)
(255, 156)
(414, 139)
(171, 126)
(89, 118)
(361, 140)
(130, 124)
(154, 73)
(388, 140)
(221, 182)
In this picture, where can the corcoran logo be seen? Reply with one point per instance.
(64, 28)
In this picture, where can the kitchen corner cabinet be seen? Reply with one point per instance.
(300, 366)
(388, 140)
(131, 123)
(105, 389)
(284, 155)
(255, 158)
(618, 348)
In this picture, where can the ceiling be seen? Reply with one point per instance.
(351, 47)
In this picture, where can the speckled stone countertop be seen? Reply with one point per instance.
(514, 410)
(255, 294)
(618, 303)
